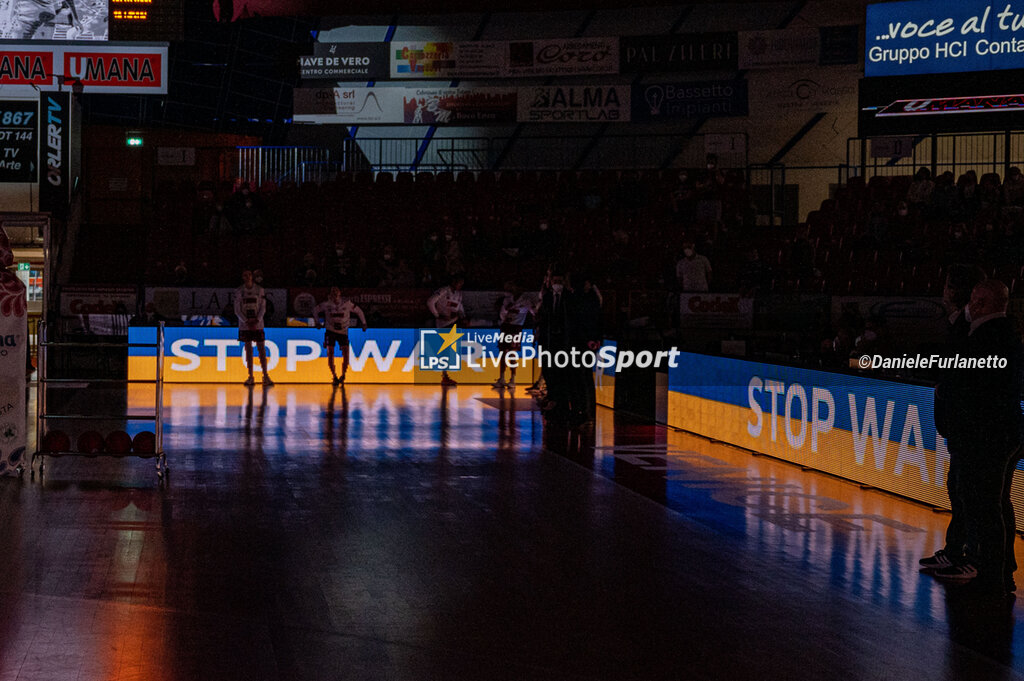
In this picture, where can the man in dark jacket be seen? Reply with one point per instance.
(978, 411)
(586, 337)
(554, 326)
(960, 285)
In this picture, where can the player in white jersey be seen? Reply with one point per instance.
(250, 307)
(514, 309)
(446, 306)
(337, 313)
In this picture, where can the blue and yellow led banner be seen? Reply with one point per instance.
(875, 432)
(297, 355)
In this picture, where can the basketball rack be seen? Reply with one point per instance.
(44, 417)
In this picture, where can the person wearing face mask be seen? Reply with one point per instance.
(693, 271)
(960, 282)
(982, 418)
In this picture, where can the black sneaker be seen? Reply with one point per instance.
(938, 560)
(957, 573)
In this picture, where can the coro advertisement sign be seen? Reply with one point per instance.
(703, 99)
(943, 36)
(296, 355)
(563, 57)
(874, 432)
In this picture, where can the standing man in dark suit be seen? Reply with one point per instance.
(960, 285)
(981, 418)
(554, 324)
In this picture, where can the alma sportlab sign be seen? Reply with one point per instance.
(943, 36)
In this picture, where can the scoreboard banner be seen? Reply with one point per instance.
(942, 36)
(874, 432)
(203, 354)
(130, 68)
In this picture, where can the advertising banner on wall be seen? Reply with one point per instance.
(19, 148)
(296, 355)
(812, 90)
(13, 349)
(716, 311)
(346, 61)
(574, 104)
(451, 106)
(778, 49)
(874, 432)
(350, 105)
(447, 60)
(55, 152)
(703, 99)
(176, 303)
(942, 36)
(76, 299)
(129, 68)
(679, 53)
(563, 57)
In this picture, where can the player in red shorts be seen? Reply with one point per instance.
(250, 306)
(337, 312)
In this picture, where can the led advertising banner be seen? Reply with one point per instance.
(109, 68)
(679, 53)
(943, 36)
(871, 431)
(199, 354)
(345, 61)
(936, 103)
(19, 148)
(33, 20)
(703, 99)
(575, 104)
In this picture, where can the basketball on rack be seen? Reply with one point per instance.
(55, 441)
(118, 442)
(90, 442)
(144, 443)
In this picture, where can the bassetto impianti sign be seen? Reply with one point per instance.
(109, 68)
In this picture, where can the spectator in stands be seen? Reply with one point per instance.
(341, 268)
(801, 254)
(693, 271)
(961, 245)
(920, 189)
(386, 266)
(542, 242)
(943, 201)
(990, 192)
(180, 274)
(684, 198)
(970, 199)
(220, 222)
(1013, 191)
(453, 262)
(403, 276)
(433, 252)
(709, 189)
(754, 275)
(302, 275)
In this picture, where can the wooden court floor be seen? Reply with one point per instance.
(405, 532)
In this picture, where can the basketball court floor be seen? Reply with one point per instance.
(410, 532)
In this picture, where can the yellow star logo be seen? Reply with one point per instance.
(450, 338)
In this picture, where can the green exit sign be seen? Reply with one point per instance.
(24, 266)
(133, 141)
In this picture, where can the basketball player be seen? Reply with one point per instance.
(446, 306)
(337, 312)
(250, 307)
(514, 309)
